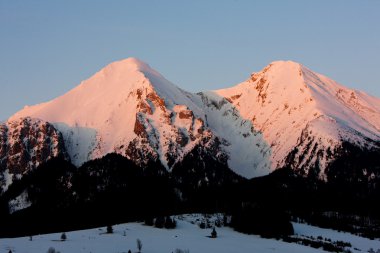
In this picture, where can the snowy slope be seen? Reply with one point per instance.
(186, 236)
(246, 147)
(296, 108)
(131, 109)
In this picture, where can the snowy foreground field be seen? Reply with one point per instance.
(187, 236)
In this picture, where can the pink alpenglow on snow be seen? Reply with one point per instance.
(256, 125)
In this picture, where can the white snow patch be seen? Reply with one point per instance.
(8, 179)
(19, 203)
(79, 142)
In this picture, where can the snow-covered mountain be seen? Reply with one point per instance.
(284, 115)
(304, 116)
(131, 109)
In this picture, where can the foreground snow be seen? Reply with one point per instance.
(358, 243)
(186, 236)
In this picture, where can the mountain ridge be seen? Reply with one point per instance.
(131, 109)
(283, 115)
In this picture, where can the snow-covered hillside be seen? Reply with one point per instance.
(305, 113)
(186, 236)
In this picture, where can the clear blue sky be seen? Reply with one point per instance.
(48, 47)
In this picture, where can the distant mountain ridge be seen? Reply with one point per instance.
(283, 116)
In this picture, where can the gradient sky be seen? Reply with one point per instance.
(49, 47)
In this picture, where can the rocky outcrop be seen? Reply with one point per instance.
(25, 144)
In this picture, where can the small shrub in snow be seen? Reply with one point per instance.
(148, 221)
(225, 220)
(159, 222)
(63, 237)
(170, 223)
(213, 233)
(181, 251)
(52, 250)
(139, 245)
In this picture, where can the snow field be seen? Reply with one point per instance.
(186, 236)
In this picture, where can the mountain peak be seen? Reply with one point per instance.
(282, 63)
(278, 76)
(132, 60)
(131, 63)
(127, 65)
(282, 67)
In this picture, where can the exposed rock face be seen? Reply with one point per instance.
(163, 131)
(186, 114)
(25, 144)
(139, 129)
